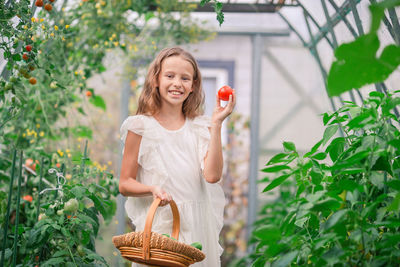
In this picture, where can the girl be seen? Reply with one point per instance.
(172, 152)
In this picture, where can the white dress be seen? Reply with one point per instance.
(174, 161)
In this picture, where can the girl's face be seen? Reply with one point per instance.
(175, 81)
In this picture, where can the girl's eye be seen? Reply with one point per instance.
(169, 75)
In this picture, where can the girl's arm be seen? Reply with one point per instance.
(213, 162)
(128, 185)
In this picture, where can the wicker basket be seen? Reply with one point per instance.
(156, 249)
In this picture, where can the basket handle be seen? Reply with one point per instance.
(149, 222)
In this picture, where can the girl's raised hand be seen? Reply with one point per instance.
(158, 192)
(220, 113)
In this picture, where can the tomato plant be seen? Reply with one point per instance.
(339, 203)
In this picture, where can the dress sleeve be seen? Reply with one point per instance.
(134, 124)
(201, 125)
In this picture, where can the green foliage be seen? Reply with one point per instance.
(339, 204)
(218, 9)
(68, 223)
(357, 63)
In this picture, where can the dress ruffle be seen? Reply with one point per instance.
(150, 161)
(149, 157)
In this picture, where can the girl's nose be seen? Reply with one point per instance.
(177, 83)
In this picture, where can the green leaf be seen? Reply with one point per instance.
(16, 57)
(336, 147)
(319, 156)
(382, 164)
(79, 191)
(300, 222)
(278, 158)
(395, 143)
(313, 149)
(276, 182)
(395, 205)
(377, 12)
(395, 184)
(268, 233)
(377, 179)
(352, 171)
(149, 15)
(334, 218)
(286, 259)
(289, 146)
(98, 101)
(329, 132)
(356, 64)
(60, 253)
(327, 204)
(276, 168)
(53, 261)
(347, 184)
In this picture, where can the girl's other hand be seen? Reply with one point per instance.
(220, 113)
(158, 192)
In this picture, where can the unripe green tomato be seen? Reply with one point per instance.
(71, 205)
(13, 79)
(8, 86)
(13, 99)
(60, 212)
(80, 250)
(197, 245)
(53, 85)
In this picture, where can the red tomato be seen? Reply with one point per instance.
(88, 93)
(224, 92)
(28, 198)
(30, 164)
(48, 7)
(28, 48)
(39, 3)
(25, 56)
(32, 80)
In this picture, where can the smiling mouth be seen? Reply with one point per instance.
(175, 93)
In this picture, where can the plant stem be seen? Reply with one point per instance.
(70, 253)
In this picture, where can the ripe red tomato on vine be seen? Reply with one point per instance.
(48, 7)
(25, 56)
(28, 198)
(39, 3)
(28, 48)
(32, 80)
(224, 92)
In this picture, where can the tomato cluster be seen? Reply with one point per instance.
(24, 69)
(47, 4)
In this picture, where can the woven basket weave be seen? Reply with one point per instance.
(154, 249)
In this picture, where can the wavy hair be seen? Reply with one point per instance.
(150, 98)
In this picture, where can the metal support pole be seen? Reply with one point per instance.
(395, 23)
(16, 232)
(320, 29)
(335, 43)
(356, 17)
(120, 214)
(314, 52)
(254, 132)
(389, 26)
(7, 218)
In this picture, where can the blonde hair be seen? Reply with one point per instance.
(150, 98)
